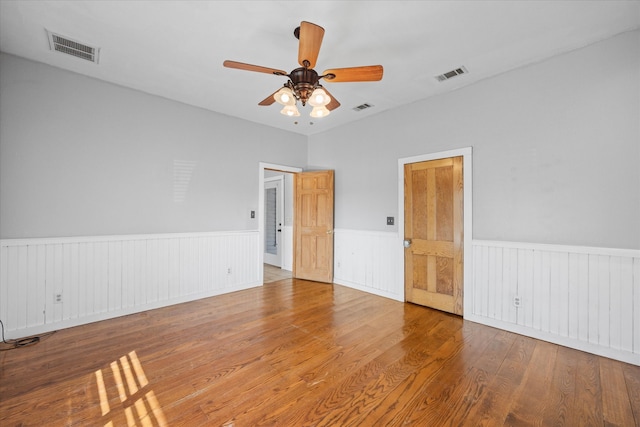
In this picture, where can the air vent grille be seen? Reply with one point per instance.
(451, 74)
(71, 47)
(362, 107)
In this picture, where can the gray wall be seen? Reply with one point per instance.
(556, 150)
(82, 157)
(556, 154)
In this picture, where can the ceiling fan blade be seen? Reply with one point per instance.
(257, 68)
(369, 73)
(269, 99)
(310, 42)
(333, 104)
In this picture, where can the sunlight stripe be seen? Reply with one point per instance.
(143, 415)
(128, 375)
(137, 366)
(156, 408)
(104, 400)
(116, 373)
(131, 421)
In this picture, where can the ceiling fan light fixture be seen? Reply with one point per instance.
(320, 111)
(285, 97)
(319, 98)
(290, 110)
(303, 83)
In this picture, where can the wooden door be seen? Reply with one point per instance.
(313, 226)
(433, 227)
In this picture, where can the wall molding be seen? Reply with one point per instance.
(560, 248)
(113, 238)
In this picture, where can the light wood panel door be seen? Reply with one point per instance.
(433, 232)
(313, 226)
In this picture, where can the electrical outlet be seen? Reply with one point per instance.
(229, 270)
(390, 220)
(253, 214)
(57, 298)
(517, 301)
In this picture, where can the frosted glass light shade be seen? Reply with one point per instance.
(319, 98)
(285, 96)
(290, 110)
(320, 111)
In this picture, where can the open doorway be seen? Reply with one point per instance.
(277, 246)
(274, 219)
(278, 226)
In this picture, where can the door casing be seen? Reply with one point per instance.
(466, 154)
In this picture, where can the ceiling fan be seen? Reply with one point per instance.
(303, 83)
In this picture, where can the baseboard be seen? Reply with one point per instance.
(70, 323)
(369, 290)
(620, 355)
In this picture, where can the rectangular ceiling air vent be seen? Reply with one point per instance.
(64, 44)
(451, 74)
(362, 107)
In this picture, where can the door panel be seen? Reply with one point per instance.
(313, 226)
(433, 224)
(273, 221)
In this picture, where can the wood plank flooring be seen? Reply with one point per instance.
(273, 274)
(298, 353)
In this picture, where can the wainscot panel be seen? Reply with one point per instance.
(579, 297)
(49, 284)
(287, 247)
(369, 261)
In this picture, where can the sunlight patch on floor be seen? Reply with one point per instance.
(128, 382)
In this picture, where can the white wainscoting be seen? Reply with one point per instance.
(369, 261)
(287, 248)
(106, 277)
(580, 297)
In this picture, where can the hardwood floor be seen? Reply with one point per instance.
(297, 353)
(273, 274)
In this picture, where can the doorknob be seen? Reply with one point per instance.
(329, 231)
(406, 243)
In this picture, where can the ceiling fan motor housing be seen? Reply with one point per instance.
(304, 81)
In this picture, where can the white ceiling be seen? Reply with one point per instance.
(175, 49)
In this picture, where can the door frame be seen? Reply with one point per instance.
(467, 215)
(262, 166)
(279, 209)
